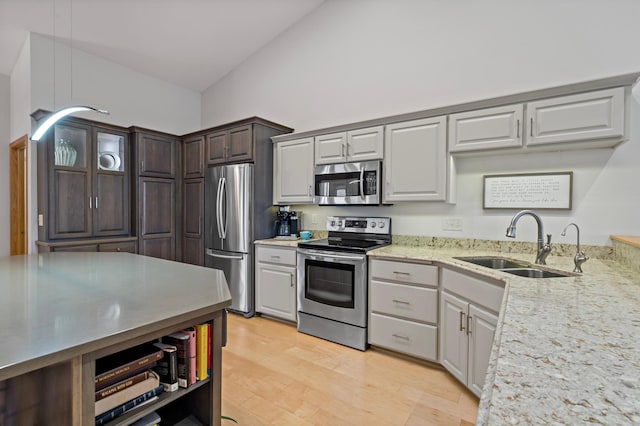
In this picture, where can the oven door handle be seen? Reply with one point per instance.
(315, 255)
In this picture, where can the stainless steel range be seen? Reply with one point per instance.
(332, 279)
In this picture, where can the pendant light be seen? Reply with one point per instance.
(53, 118)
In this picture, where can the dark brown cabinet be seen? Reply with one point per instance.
(193, 222)
(156, 155)
(83, 181)
(193, 157)
(157, 196)
(242, 141)
(233, 145)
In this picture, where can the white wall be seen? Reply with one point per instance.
(355, 60)
(131, 97)
(4, 164)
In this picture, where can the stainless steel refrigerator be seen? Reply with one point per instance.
(237, 211)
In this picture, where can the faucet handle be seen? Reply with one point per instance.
(548, 239)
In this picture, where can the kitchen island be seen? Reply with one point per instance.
(59, 312)
(566, 350)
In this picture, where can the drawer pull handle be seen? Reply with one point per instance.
(401, 273)
(401, 302)
(400, 336)
(275, 257)
(461, 320)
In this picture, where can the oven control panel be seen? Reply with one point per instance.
(368, 225)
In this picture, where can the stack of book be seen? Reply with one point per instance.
(137, 375)
(193, 353)
(126, 380)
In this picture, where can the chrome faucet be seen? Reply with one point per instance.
(543, 249)
(580, 256)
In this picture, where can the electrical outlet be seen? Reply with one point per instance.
(314, 219)
(40, 220)
(452, 224)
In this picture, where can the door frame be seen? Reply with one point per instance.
(19, 201)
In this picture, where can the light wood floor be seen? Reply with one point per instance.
(273, 375)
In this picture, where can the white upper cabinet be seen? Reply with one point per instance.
(490, 128)
(581, 117)
(293, 172)
(365, 144)
(331, 148)
(354, 145)
(415, 160)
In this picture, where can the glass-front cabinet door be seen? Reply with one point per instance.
(110, 183)
(70, 198)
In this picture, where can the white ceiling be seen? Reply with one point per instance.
(192, 43)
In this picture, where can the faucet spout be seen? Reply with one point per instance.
(580, 256)
(543, 249)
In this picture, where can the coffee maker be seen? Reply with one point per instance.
(286, 224)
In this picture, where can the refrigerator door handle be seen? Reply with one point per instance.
(219, 209)
(215, 253)
(223, 220)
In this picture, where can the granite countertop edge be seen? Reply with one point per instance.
(561, 351)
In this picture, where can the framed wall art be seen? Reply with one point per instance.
(529, 191)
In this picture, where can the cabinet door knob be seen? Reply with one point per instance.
(90, 203)
(531, 127)
(461, 321)
(117, 248)
(469, 324)
(291, 280)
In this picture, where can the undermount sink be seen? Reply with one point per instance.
(535, 273)
(494, 262)
(522, 269)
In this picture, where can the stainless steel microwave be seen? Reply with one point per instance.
(348, 183)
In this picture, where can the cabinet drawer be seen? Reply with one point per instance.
(408, 337)
(281, 256)
(480, 292)
(417, 303)
(125, 247)
(84, 247)
(406, 272)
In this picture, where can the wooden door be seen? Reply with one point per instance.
(18, 183)
(293, 174)
(575, 118)
(240, 144)
(453, 337)
(483, 329)
(193, 157)
(216, 147)
(111, 204)
(416, 160)
(331, 148)
(156, 207)
(156, 156)
(490, 128)
(193, 222)
(365, 144)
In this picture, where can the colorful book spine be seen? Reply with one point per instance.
(136, 378)
(209, 331)
(167, 367)
(121, 365)
(127, 406)
(181, 342)
(202, 337)
(191, 332)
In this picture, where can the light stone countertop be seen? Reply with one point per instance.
(566, 350)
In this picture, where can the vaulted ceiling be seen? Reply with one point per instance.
(191, 43)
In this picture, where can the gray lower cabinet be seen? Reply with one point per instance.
(403, 307)
(469, 308)
(276, 282)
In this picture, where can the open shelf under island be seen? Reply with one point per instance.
(59, 312)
